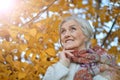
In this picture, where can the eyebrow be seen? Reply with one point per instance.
(70, 26)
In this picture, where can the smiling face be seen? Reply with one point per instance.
(72, 36)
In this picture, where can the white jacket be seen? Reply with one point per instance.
(60, 72)
(99, 77)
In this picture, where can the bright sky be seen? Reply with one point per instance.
(6, 5)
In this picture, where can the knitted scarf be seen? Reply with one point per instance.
(89, 56)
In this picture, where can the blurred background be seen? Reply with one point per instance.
(29, 38)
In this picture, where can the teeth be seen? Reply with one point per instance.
(68, 41)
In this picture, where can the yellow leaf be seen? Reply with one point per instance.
(9, 59)
(95, 24)
(33, 57)
(13, 33)
(33, 32)
(39, 35)
(55, 36)
(4, 33)
(55, 60)
(41, 70)
(55, 8)
(61, 2)
(21, 75)
(65, 15)
(6, 45)
(28, 52)
(79, 4)
(51, 52)
(43, 56)
(113, 50)
(93, 42)
(118, 58)
(27, 36)
(24, 65)
(46, 2)
(16, 64)
(75, 2)
(1, 57)
(23, 47)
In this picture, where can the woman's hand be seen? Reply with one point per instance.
(64, 57)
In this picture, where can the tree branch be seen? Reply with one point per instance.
(109, 31)
(97, 15)
(39, 14)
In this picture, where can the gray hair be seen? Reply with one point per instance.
(85, 27)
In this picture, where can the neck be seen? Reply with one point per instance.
(78, 49)
(82, 48)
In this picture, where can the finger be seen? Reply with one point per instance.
(82, 51)
(61, 55)
(85, 55)
(58, 54)
(68, 50)
(67, 53)
(80, 60)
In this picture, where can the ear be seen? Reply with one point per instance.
(86, 39)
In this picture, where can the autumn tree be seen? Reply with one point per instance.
(29, 33)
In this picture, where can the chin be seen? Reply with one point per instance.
(69, 47)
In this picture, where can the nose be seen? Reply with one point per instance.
(67, 34)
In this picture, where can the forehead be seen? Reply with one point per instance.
(69, 23)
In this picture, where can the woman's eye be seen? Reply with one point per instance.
(62, 31)
(73, 29)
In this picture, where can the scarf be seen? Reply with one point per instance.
(89, 56)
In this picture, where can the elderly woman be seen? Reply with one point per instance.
(78, 61)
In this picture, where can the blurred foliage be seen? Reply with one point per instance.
(29, 31)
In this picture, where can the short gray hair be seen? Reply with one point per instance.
(85, 27)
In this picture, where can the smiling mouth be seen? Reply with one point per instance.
(69, 40)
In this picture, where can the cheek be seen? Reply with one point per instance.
(62, 36)
(81, 37)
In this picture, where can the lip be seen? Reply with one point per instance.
(68, 40)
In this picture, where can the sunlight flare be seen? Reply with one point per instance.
(6, 5)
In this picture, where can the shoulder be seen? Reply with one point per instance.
(99, 50)
(99, 77)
